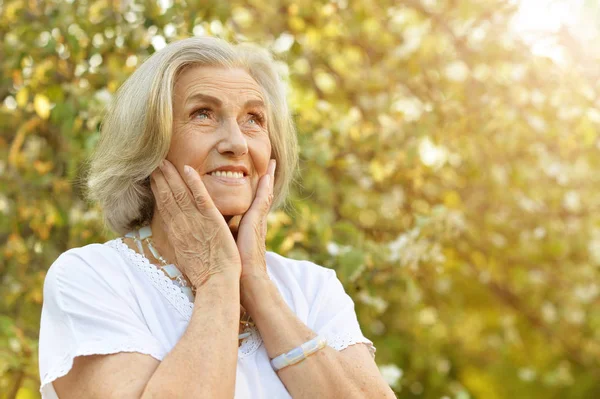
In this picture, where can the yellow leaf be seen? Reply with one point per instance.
(43, 167)
(23, 97)
(41, 69)
(26, 393)
(12, 9)
(113, 85)
(379, 171)
(41, 104)
(297, 24)
(452, 199)
(479, 382)
(478, 259)
(325, 82)
(35, 295)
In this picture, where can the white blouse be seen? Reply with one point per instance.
(107, 298)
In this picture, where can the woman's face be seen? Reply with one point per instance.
(220, 130)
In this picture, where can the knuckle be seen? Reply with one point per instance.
(163, 194)
(267, 204)
(200, 200)
(167, 201)
(263, 210)
(180, 196)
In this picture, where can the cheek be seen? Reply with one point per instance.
(261, 154)
(188, 149)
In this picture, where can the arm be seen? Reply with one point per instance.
(202, 364)
(351, 373)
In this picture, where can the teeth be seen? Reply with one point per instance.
(231, 175)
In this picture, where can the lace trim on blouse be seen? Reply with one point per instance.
(174, 294)
(342, 341)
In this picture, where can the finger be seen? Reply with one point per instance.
(271, 171)
(179, 190)
(155, 192)
(267, 206)
(162, 213)
(264, 197)
(257, 214)
(199, 193)
(164, 197)
(272, 166)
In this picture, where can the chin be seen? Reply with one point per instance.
(232, 209)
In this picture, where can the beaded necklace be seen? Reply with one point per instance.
(144, 235)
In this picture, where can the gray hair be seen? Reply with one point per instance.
(136, 131)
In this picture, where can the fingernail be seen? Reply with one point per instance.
(268, 177)
(272, 167)
(188, 170)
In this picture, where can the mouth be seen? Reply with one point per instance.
(229, 178)
(227, 174)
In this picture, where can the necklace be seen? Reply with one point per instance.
(144, 235)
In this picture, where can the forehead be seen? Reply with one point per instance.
(224, 83)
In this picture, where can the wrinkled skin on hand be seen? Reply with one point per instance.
(198, 234)
(252, 231)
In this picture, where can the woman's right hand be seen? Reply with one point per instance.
(201, 240)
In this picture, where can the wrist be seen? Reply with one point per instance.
(255, 291)
(254, 278)
(221, 279)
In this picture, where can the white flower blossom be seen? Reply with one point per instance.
(391, 374)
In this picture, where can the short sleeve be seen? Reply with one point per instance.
(333, 316)
(85, 312)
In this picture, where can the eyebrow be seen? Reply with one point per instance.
(216, 102)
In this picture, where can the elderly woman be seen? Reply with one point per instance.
(196, 149)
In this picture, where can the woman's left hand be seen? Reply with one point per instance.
(252, 230)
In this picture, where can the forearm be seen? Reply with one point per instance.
(203, 363)
(323, 374)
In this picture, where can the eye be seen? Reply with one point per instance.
(201, 114)
(256, 119)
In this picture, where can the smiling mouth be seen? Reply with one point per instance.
(230, 175)
(229, 178)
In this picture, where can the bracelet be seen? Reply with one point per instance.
(298, 354)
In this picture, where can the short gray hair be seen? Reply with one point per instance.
(136, 131)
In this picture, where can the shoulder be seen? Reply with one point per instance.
(303, 275)
(300, 269)
(91, 258)
(92, 265)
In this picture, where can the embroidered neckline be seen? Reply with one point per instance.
(174, 294)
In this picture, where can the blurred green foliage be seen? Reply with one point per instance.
(448, 175)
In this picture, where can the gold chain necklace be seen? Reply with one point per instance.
(144, 235)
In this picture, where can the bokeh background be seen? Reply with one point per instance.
(450, 172)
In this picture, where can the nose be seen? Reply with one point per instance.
(233, 141)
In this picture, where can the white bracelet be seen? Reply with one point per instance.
(298, 354)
